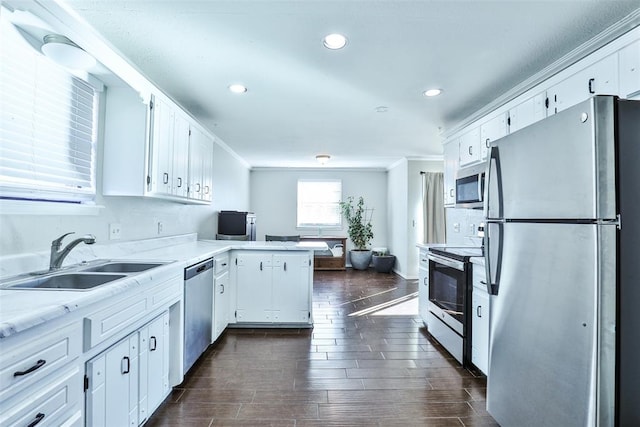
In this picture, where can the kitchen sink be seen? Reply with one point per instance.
(123, 267)
(66, 281)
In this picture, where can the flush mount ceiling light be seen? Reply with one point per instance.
(64, 52)
(432, 92)
(334, 41)
(237, 88)
(323, 158)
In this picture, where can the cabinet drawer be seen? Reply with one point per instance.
(24, 362)
(164, 293)
(105, 323)
(53, 403)
(221, 264)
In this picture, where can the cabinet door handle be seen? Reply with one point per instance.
(224, 264)
(125, 365)
(471, 150)
(179, 182)
(487, 142)
(165, 178)
(285, 266)
(39, 417)
(206, 189)
(39, 364)
(154, 346)
(260, 265)
(424, 282)
(591, 85)
(451, 192)
(222, 287)
(479, 311)
(198, 187)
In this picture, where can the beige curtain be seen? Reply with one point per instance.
(433, 207)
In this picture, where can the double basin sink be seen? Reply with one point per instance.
(81, 277)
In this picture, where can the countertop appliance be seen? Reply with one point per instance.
(235, 223)
(470, 187)
(449, 317)
(561, 245)
(198, 311)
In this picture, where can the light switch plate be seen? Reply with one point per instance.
(115, 230)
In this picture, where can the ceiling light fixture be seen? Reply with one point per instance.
(237, 88)
(64, 52)
(323, 158)
(432, 92)
(334, 41)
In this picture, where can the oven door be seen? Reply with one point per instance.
(447, 291)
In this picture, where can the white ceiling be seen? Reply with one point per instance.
(304, 99)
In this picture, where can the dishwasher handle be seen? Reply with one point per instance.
(197, 269)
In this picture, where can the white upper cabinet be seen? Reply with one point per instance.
(470, 147)
(147, 150)
(451, 165)
(490, 131)
(629, 60)
(527, 112)
(600, 78)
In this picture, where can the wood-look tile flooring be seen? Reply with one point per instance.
(347, 371)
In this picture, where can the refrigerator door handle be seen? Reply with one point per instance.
(494, 172)
(493, 239)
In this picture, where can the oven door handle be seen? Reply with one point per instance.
(458, 265)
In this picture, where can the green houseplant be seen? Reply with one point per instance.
(359, 230)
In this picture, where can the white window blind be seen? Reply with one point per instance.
(318, 203)
(47, 126)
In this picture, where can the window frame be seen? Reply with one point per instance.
(319, 226)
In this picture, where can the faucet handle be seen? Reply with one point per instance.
(57, 242)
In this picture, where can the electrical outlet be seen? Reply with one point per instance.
(456, 227)
(472, 229)
(160, 226)
(114, 231)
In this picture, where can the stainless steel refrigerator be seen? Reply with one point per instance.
(562, 245)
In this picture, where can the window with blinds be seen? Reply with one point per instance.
(47, 126)
(319, 203)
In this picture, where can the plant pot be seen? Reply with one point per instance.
(360, 259)
(384, 263)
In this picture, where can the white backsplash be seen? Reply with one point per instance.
(462, 226)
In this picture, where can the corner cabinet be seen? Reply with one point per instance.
(152, 148)
(273, 287)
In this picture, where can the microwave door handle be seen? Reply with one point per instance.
(493, 246)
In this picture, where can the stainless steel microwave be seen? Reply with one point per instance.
(470, 187)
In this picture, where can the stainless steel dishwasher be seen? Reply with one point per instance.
(198, 310)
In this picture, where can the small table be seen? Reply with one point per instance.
(324, 260)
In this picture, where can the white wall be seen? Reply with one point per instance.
(274, 198)
(137, 216)
(404, 188)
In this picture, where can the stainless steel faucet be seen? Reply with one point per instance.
(57, 255)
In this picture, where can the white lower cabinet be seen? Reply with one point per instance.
(481, 317)
(273, 287)
(423, 286)
(221, 295)
(128, 381)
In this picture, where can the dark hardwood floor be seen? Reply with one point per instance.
(366, 370)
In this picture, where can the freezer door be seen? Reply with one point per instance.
(548, 170)
(543, 351)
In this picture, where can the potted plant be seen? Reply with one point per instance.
(383, 261)
(359, 230)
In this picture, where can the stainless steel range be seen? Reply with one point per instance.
(450, 299)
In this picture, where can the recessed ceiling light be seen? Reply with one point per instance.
(382, 109)
(432, 92)
(236, 88)
(334, 41)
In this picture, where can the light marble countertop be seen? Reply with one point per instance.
(24, 309)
